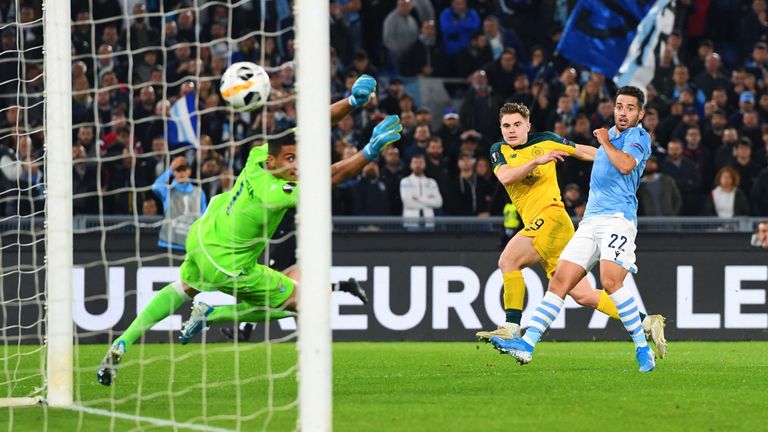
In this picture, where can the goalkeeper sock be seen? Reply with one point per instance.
(606, 306)
(244, 312)
(514, 293)
(163, 304)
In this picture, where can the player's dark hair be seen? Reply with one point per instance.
(514, 108)
(277, 143)
(634, 92)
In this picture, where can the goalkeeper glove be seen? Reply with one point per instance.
(384, 134)
(361, 90)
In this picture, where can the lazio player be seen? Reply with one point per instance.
(223, 246)
(523, 163)
(605, 235)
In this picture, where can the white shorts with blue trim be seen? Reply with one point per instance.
(603, 238)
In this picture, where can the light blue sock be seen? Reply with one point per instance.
(630, 315)
(546, 312)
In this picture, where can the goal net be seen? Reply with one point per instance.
(132, 87)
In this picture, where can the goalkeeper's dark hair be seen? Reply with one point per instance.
(514, 108)
(634, 92)
(277, 143)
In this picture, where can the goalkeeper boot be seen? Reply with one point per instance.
(351, 286)
(505, 331)
(653, 326)
(645, 358)
(517, 348)
(107, 372)
(196, 323)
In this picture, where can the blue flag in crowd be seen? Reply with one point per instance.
(599, 32)
(182, 124)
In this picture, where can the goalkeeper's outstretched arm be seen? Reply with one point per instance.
(384, 134)
(363, 91)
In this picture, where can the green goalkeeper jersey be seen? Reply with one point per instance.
(238, 224)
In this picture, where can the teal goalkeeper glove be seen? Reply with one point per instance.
(384, 134)
(361, 90)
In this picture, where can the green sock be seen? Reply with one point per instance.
(244, 312)
(165, 302)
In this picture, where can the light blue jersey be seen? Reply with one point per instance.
(611, 192)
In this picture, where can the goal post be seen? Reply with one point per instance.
(58, 208)
(314, 213)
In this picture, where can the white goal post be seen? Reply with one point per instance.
(58, 207)
(314, 214)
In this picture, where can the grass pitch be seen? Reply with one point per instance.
(418, 387)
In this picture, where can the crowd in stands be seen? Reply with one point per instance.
(706, 111)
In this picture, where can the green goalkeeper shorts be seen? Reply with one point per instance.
(258, 285)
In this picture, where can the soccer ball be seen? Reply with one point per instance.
(245, 86)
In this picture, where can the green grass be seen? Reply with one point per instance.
(429, 387)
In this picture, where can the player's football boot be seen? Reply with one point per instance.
(196, 323)
(517, 348)
(505, 331)
(653, 326)
(107, 372)
(353, 287)
(645, 358)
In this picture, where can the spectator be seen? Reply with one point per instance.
(477, 55)
(85, 138)
(658, 194)
(724, 153)
(84, 178)
(450, 132)
(437, 164)
(401, 31)
(726, 200)
(141, 34)
(563, 113)
(345, 130)
(343, 195)
(371, 195)
(742, 162)
(754, 26)
(419, 145)
(522, 89)
(573, 200)
(342, 40)
(457, 24)
(149, 207)
(760, 237)
(390, 103)
(759, 194)
(713, 131)
(20, 167)
(183, 203)
(603, 118)
(574, 170)
(501, 73)
(500, 38)
(699, 155)
(420, 196)
(712, 76)
(686, 176)
(480, 106)
(391, 174)
(425, 57)
(470, 194)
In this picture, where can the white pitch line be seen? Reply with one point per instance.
(156, 421)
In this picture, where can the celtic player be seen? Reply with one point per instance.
(223, 246)
(524, 164)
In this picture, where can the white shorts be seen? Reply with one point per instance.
(603, 238)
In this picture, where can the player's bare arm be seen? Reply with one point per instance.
(508, 175)
(585, 153)
(623, 162)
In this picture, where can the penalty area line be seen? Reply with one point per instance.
(155, 421)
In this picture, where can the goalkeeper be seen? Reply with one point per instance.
(223, 246)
